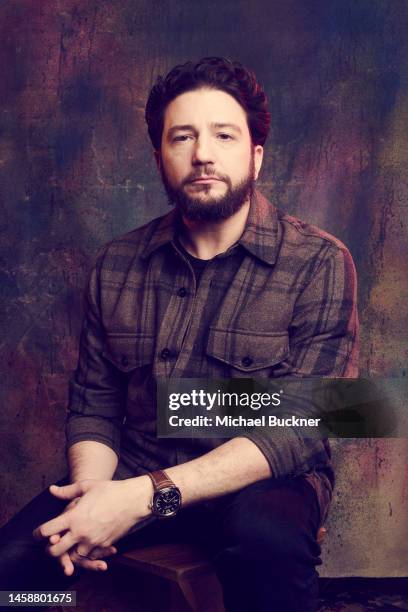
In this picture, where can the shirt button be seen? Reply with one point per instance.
(124, 361)
(182, 292)
(165, 354)
(247, 361)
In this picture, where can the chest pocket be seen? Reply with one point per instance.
(128, 352)
(246, 353)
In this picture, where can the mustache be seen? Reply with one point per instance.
(193, 176)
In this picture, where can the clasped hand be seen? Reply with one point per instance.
(100, 513)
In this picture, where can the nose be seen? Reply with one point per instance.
(203, 153)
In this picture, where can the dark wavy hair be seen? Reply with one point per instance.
(215, 73)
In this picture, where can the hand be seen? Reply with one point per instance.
(104, 512)
(70, 560)
(94, 561)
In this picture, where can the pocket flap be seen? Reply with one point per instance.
(129, 351)
(246, 350)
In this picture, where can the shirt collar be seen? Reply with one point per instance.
(260, 236)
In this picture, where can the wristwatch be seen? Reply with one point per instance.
(166, 500)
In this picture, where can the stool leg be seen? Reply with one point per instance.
(189, 595)
(202, 593)
(177, 600)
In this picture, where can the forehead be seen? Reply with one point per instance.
(204, 105)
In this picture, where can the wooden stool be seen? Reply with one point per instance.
(190, 573)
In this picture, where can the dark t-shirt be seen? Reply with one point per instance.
(197, 264)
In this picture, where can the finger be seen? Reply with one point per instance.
(90, 564)
(66, 564)
(54, 538)
(101, 552)
(56, 525)
(68, 491)
(83, 550)
(65, 543)
(72, 503)
(87, 562)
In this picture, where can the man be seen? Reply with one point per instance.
(223, 286)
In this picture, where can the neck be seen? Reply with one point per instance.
(206, 240)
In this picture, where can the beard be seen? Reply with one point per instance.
(214, 208)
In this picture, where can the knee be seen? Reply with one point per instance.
(268, 538)
(18, 558)
(270, 524)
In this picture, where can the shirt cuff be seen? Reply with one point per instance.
(80, 428)
(279, 453)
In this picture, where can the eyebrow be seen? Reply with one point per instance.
(232, 126)
(180, 128)
(191, 128)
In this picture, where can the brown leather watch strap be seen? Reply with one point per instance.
(160, 480)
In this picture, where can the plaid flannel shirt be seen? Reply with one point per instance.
(284, 295)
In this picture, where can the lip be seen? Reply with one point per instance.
(205, 179)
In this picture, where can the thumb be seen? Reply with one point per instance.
(68, 491)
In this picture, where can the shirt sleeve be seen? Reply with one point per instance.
(323, 338)
(96, 399)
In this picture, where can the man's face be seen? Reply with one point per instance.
(207, 161)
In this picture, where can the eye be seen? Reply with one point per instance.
(182, 138)
(224, 136)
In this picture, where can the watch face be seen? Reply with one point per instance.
(167, 501)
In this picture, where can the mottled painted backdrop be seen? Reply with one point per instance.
(77, 169)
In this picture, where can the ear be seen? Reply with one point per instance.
(258, 157)
(157, 158)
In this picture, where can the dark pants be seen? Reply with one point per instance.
(262, 541)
